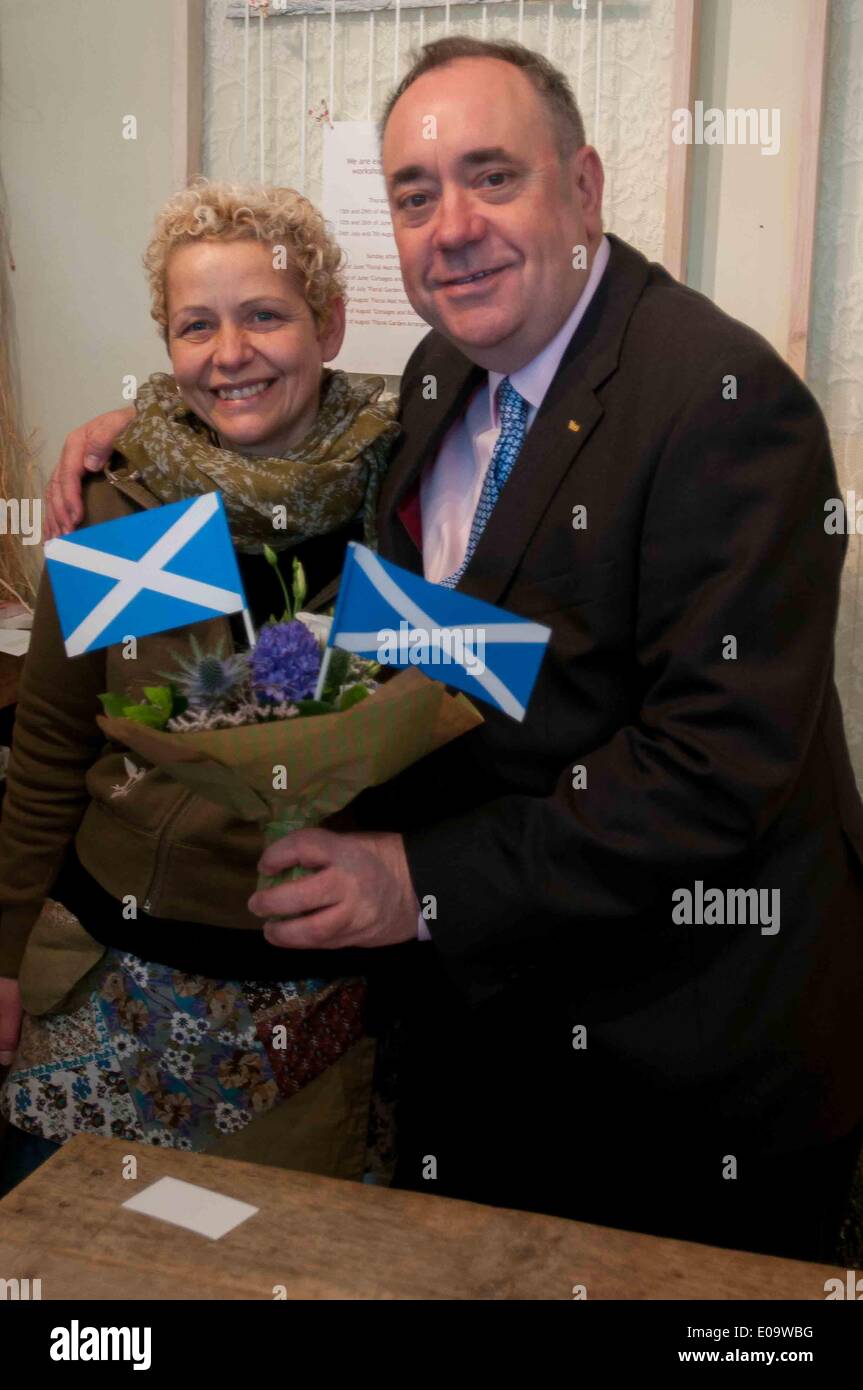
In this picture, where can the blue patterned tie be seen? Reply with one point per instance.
(513, 410)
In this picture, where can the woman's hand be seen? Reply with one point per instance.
(86, 450)
(10, 1020)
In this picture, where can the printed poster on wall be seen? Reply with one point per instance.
(382, 328)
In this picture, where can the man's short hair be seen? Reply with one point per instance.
(548, 81)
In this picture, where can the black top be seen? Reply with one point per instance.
(322, 558)
(221, 952)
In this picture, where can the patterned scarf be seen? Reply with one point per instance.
(322, 484)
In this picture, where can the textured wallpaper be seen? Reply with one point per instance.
(637, 41)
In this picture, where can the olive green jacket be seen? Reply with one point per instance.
(178, 855)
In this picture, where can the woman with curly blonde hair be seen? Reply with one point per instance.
(151, 998)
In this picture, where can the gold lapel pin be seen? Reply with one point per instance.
(574, 426)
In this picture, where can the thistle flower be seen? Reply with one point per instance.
(210, 678)
(285, 662)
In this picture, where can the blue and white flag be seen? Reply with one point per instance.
(161, 568)
(393, 616)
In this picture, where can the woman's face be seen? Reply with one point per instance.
(236, 323)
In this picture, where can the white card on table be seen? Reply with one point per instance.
(186, 1204)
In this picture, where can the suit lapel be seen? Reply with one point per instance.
(549, 452)
(424, 422)
(564, 423)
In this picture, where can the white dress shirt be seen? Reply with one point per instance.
(451, 484)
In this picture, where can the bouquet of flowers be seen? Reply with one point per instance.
(251, 732)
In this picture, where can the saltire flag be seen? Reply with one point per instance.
(160, 568)
(393, 616)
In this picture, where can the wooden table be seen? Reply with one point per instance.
(326, 1239)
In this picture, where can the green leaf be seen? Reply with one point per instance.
(271, 557)
(160, 696)
(315, 706)
(337, 672)
(353, 695)
(150, 715)
(113, 704)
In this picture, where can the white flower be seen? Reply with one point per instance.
(182, 1029)
(125, 1044)
(160, 1138)
(229, 1118)
(181, 1064)
(133, 775)
(319, 625)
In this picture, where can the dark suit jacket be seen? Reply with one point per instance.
(705, 521)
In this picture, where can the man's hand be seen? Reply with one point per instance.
(86, 450)
(361, 894)
(10, 1020)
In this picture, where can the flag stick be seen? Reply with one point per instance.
(250, 631)
(335, 625)
(322, 674)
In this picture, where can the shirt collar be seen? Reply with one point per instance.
(533, 380)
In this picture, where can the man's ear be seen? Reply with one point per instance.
(331, 334)
(590, 180)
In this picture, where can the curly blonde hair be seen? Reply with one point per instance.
(238, 212)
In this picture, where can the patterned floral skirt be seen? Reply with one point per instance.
(144, 1052)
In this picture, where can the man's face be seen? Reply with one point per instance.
(476, 188)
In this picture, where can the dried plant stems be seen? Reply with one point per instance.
(18, 571)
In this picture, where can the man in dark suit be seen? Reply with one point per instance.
(636, 995)
(579, 1041)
